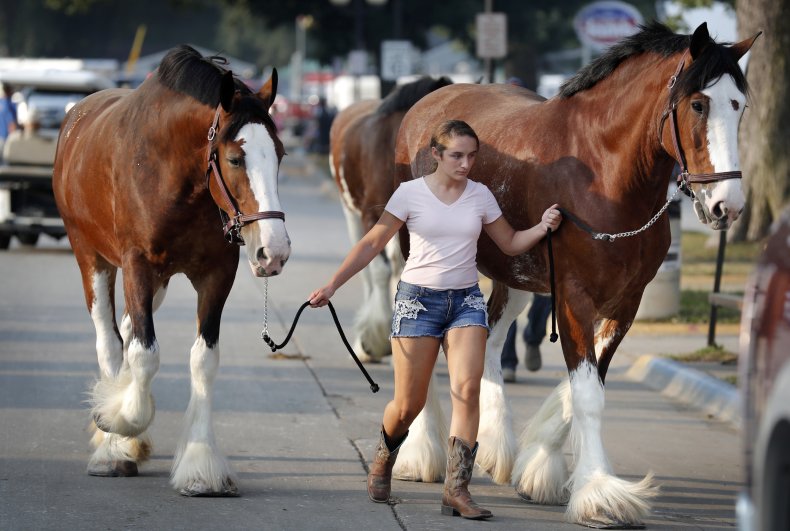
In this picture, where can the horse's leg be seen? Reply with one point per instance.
(126, 321)
(114, 455)
(540, 473)
(124, 405)
(137, 448)
(497, 441)
(199, 468)
(597, 497)
(423, 455)
(372, 320)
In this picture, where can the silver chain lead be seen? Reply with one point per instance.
(265, 331)
(612, 237)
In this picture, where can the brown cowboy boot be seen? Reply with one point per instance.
(380, 475)
(456, 499)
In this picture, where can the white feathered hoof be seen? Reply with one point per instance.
(117, 408)
(608, 502)
(200, 489)
(540, 476)
(200, 470)
(496, 460)
(364, 354)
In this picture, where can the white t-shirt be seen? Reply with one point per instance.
(442, 238)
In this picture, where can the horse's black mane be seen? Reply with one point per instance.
(654, 37)
(402, 98)
(185, 70)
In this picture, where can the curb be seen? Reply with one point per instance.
(688, 386)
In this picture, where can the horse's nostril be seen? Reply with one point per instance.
(282, 262)
(275, 273)
(261, 255)
(719, 210)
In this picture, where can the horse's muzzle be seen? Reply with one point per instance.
(269, 262)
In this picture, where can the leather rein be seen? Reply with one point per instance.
(685, 178)
(231, 224)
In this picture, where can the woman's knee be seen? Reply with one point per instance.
(467, 390)
(407, 411)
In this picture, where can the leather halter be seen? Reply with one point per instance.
(231, 224)
(685, 178)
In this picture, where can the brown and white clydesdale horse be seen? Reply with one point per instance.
(603, 149)
(362, 148)
(139, 178)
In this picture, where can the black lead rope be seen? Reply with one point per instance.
(553, 337)
(269, 341)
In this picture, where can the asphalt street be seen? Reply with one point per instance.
(299, 427)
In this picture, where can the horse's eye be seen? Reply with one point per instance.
(698, 107)
(235, 162)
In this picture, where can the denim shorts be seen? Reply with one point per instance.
(421, 312)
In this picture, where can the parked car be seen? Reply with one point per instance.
(27, 204)
(764, 366)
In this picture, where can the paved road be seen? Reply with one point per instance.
(296, 430)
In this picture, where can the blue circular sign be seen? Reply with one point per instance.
(601, 24)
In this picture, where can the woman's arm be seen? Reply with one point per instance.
(358, 257)
(513, 242)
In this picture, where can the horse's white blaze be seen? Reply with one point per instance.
(199, 466)
(726, 105)
(108, 349)
(262, 167)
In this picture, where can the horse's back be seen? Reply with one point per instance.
(492, 110)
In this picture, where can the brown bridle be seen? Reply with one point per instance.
(685, 179)
(231, 224)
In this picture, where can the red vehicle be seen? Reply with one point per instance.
(764, 504)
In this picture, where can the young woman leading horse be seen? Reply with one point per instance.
(139, 178)
(438, 303)
(604, 150)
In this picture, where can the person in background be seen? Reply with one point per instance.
(438, 303)
(8, 122)
(534, 332)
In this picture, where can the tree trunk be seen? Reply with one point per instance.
(764, 139)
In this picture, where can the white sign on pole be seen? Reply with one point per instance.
(357, 62)
(491, 35)
(395, 59)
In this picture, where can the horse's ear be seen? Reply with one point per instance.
(227, 89)
(699, 40)
(269, 89)
(740, 48)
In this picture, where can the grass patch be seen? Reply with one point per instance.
(699, 247)
(695, 308)
(708, 354)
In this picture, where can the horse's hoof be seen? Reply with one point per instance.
(113, 469)
(529, 499)
(198, 489)
(605, 522)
